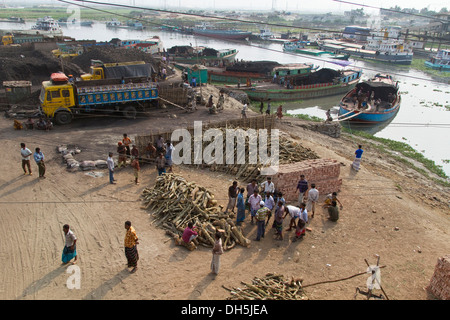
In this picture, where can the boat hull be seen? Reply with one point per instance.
(369, 117)
(194, 60)
(306, 92)
(394, 58)
(437, 66)
(223, 35)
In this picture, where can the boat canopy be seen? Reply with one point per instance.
(379, 88)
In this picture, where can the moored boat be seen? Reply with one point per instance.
(201, 55)
(372, 101)
(301, 47)
(205, 30)
(382, 46)
(311, 84)
(439, 61)
(47, 26)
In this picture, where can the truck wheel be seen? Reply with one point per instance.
(63, 117)
(129, 112)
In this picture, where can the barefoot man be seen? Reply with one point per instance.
(70, 248)
(131, 240)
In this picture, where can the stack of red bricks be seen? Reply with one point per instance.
(440, 282)
(323, 172)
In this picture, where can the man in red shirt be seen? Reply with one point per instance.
(189, 233)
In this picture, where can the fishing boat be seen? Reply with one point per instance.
(439, 61)
(300, 46)
(372, 101)
(296, 82)
(201, 55)
(207, 31)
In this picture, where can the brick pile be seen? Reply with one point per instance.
(440, 282)
(323, 172)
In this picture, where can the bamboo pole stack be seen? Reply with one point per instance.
(270, 287)
(173, 203)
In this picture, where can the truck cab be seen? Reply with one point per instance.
(8, 39)
(100, 70)
(95, 73)
(56, 99)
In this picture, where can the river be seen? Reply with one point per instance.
(423, 120)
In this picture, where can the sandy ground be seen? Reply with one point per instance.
(34, 211)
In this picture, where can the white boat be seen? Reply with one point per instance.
(114, 24)
(47, 25)
(382, 45)
(266, 34)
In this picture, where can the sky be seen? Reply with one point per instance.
(287, 5)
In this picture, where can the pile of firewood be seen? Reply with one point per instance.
(289, 152)
(173, 203)
(271, 287)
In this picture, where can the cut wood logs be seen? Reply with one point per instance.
(174, 202)
(270, 287)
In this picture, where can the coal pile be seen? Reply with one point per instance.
(36, 66)
(324, 75)
(111, 55)
(261, 67)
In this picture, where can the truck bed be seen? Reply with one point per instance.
(116, 93)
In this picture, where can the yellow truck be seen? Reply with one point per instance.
(100, 70)
(62, 100)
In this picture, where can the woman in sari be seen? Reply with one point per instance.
(240, 207)
(217, 252)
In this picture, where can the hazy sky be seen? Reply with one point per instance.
(290, 5)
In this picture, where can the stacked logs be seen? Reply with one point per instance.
(289, 152)
(174, 203)
(271, 287)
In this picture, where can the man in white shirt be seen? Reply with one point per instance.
(313, 197)
(270, 204)
(110, 163)
(25, 153)
(268, 186)
(254, 203)
(70, 249)
(294, 212)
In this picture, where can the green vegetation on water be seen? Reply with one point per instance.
(386, 145)
(419, 64)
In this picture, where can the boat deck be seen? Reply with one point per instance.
(352, 105)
